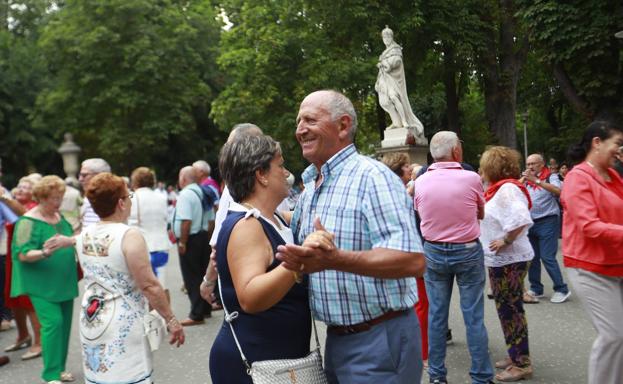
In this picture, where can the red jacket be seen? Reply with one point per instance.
(592, 231)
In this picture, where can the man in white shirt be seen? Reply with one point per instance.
(90, 168)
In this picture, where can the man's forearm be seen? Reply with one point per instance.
(382, 263)
(184, 231)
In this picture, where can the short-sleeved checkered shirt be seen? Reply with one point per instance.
(366, 206)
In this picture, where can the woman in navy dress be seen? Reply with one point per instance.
(273, 320)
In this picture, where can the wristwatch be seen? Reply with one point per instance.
(538, 182)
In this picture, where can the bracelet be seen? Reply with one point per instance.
(172, 320)
(44, 254)
(208, 283)
(507, 241)
(298, 278)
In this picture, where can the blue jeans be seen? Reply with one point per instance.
(466, 263)
(544, 239)
(389, 353)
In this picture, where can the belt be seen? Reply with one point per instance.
(342, 330)
(444, 243)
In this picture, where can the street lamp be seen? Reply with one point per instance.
(525, 134)
(70, 150)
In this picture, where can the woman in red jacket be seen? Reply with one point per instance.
(592, 239)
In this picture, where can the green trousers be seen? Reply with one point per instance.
(55, 319)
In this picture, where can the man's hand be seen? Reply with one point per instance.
(317, 253)
(181, 248)
(529, 175)
(206, 291)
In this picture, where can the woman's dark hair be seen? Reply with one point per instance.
(239, 159)
(600, 128)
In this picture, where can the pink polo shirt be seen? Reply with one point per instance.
(447, 198)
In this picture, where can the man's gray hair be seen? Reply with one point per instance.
(240, 159)
(442, 144)
(339, 105)
(203, 166)
(244, 129)
(96, 165)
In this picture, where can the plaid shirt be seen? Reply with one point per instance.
(366, 206)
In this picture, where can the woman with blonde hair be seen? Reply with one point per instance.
(48, 275)
(504, 235)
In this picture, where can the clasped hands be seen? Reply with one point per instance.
(317, 253)
(56, 242)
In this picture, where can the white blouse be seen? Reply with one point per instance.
(506, 211)
(149, 213)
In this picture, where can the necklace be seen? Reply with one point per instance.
(601, 173)
(249, 206)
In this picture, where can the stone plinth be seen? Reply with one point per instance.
(397, 137)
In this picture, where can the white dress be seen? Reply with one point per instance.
(506, 211)
(114, 348)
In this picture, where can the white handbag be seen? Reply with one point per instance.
(306, 370)
(155, 329)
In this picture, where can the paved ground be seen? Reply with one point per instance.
(560, 341)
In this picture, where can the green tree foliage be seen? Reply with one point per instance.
(132, 79)
(576, 42)
(22, 76)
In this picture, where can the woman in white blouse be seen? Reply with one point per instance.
(504, 235)
(149, 214)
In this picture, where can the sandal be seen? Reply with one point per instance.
(530, 299)
(67, 377)
(19, 344)
(515, 373)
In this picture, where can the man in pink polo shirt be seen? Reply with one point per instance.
(450, 202)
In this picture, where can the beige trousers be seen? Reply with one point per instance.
(602, 297)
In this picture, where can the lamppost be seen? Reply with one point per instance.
(525, 134)
(70, 150)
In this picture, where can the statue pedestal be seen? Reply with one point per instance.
(398, 140)
(417, 153)
(397, 137)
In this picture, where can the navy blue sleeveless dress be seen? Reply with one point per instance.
(281, 332)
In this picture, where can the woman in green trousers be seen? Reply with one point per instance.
(47, 274)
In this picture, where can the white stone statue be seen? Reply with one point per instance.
(392, 88)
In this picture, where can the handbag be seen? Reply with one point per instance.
(154, 325)
(305, 370)
(155, 329)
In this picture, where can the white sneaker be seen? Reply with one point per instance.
(531, 293)
(559, 297)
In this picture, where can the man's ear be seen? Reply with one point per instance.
(344, 126)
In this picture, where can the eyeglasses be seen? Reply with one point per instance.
(128, 196)
(85, 174)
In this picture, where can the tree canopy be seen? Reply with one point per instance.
(160, 83)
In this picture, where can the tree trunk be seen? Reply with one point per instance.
(500, 65)
(452, 98)
(571, 93)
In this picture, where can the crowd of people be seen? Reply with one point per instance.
(372, 249)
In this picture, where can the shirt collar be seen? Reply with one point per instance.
(445, 165)
(333, 165)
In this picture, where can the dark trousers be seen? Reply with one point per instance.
(193, 265)
(5, 313)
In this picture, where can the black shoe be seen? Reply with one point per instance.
(438, 381)
(449, 337)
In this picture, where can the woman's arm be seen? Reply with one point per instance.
(137, 257)
(249, 254)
